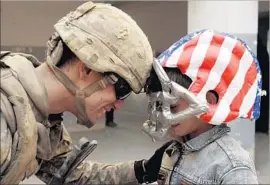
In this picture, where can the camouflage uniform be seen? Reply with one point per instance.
(30, 144)
(105, 39)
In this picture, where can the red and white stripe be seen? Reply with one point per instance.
(220, 63)
(173, 59)
(247, 105)
(224, 107)
(198, 54)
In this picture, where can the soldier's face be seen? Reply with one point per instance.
(100, 102)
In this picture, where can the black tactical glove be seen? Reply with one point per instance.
(146, 171)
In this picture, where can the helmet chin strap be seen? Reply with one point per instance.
(80, 94)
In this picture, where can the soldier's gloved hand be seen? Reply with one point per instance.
(146, 171)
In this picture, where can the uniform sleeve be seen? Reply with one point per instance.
(240, 176)
(88, 172)
(97, 173)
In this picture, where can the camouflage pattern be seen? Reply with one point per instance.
(107, 40)
(30, 144)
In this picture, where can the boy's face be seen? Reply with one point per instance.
(192, 125)
(186, 126)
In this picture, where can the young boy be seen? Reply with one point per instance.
(205, 80)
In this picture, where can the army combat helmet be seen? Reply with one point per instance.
(106, 40)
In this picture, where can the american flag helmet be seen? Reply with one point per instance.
(223, 63)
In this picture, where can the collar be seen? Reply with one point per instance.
(206, 138)
(200, 141)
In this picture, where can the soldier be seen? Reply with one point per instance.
(90, 68)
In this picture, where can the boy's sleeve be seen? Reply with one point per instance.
(240, 175)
